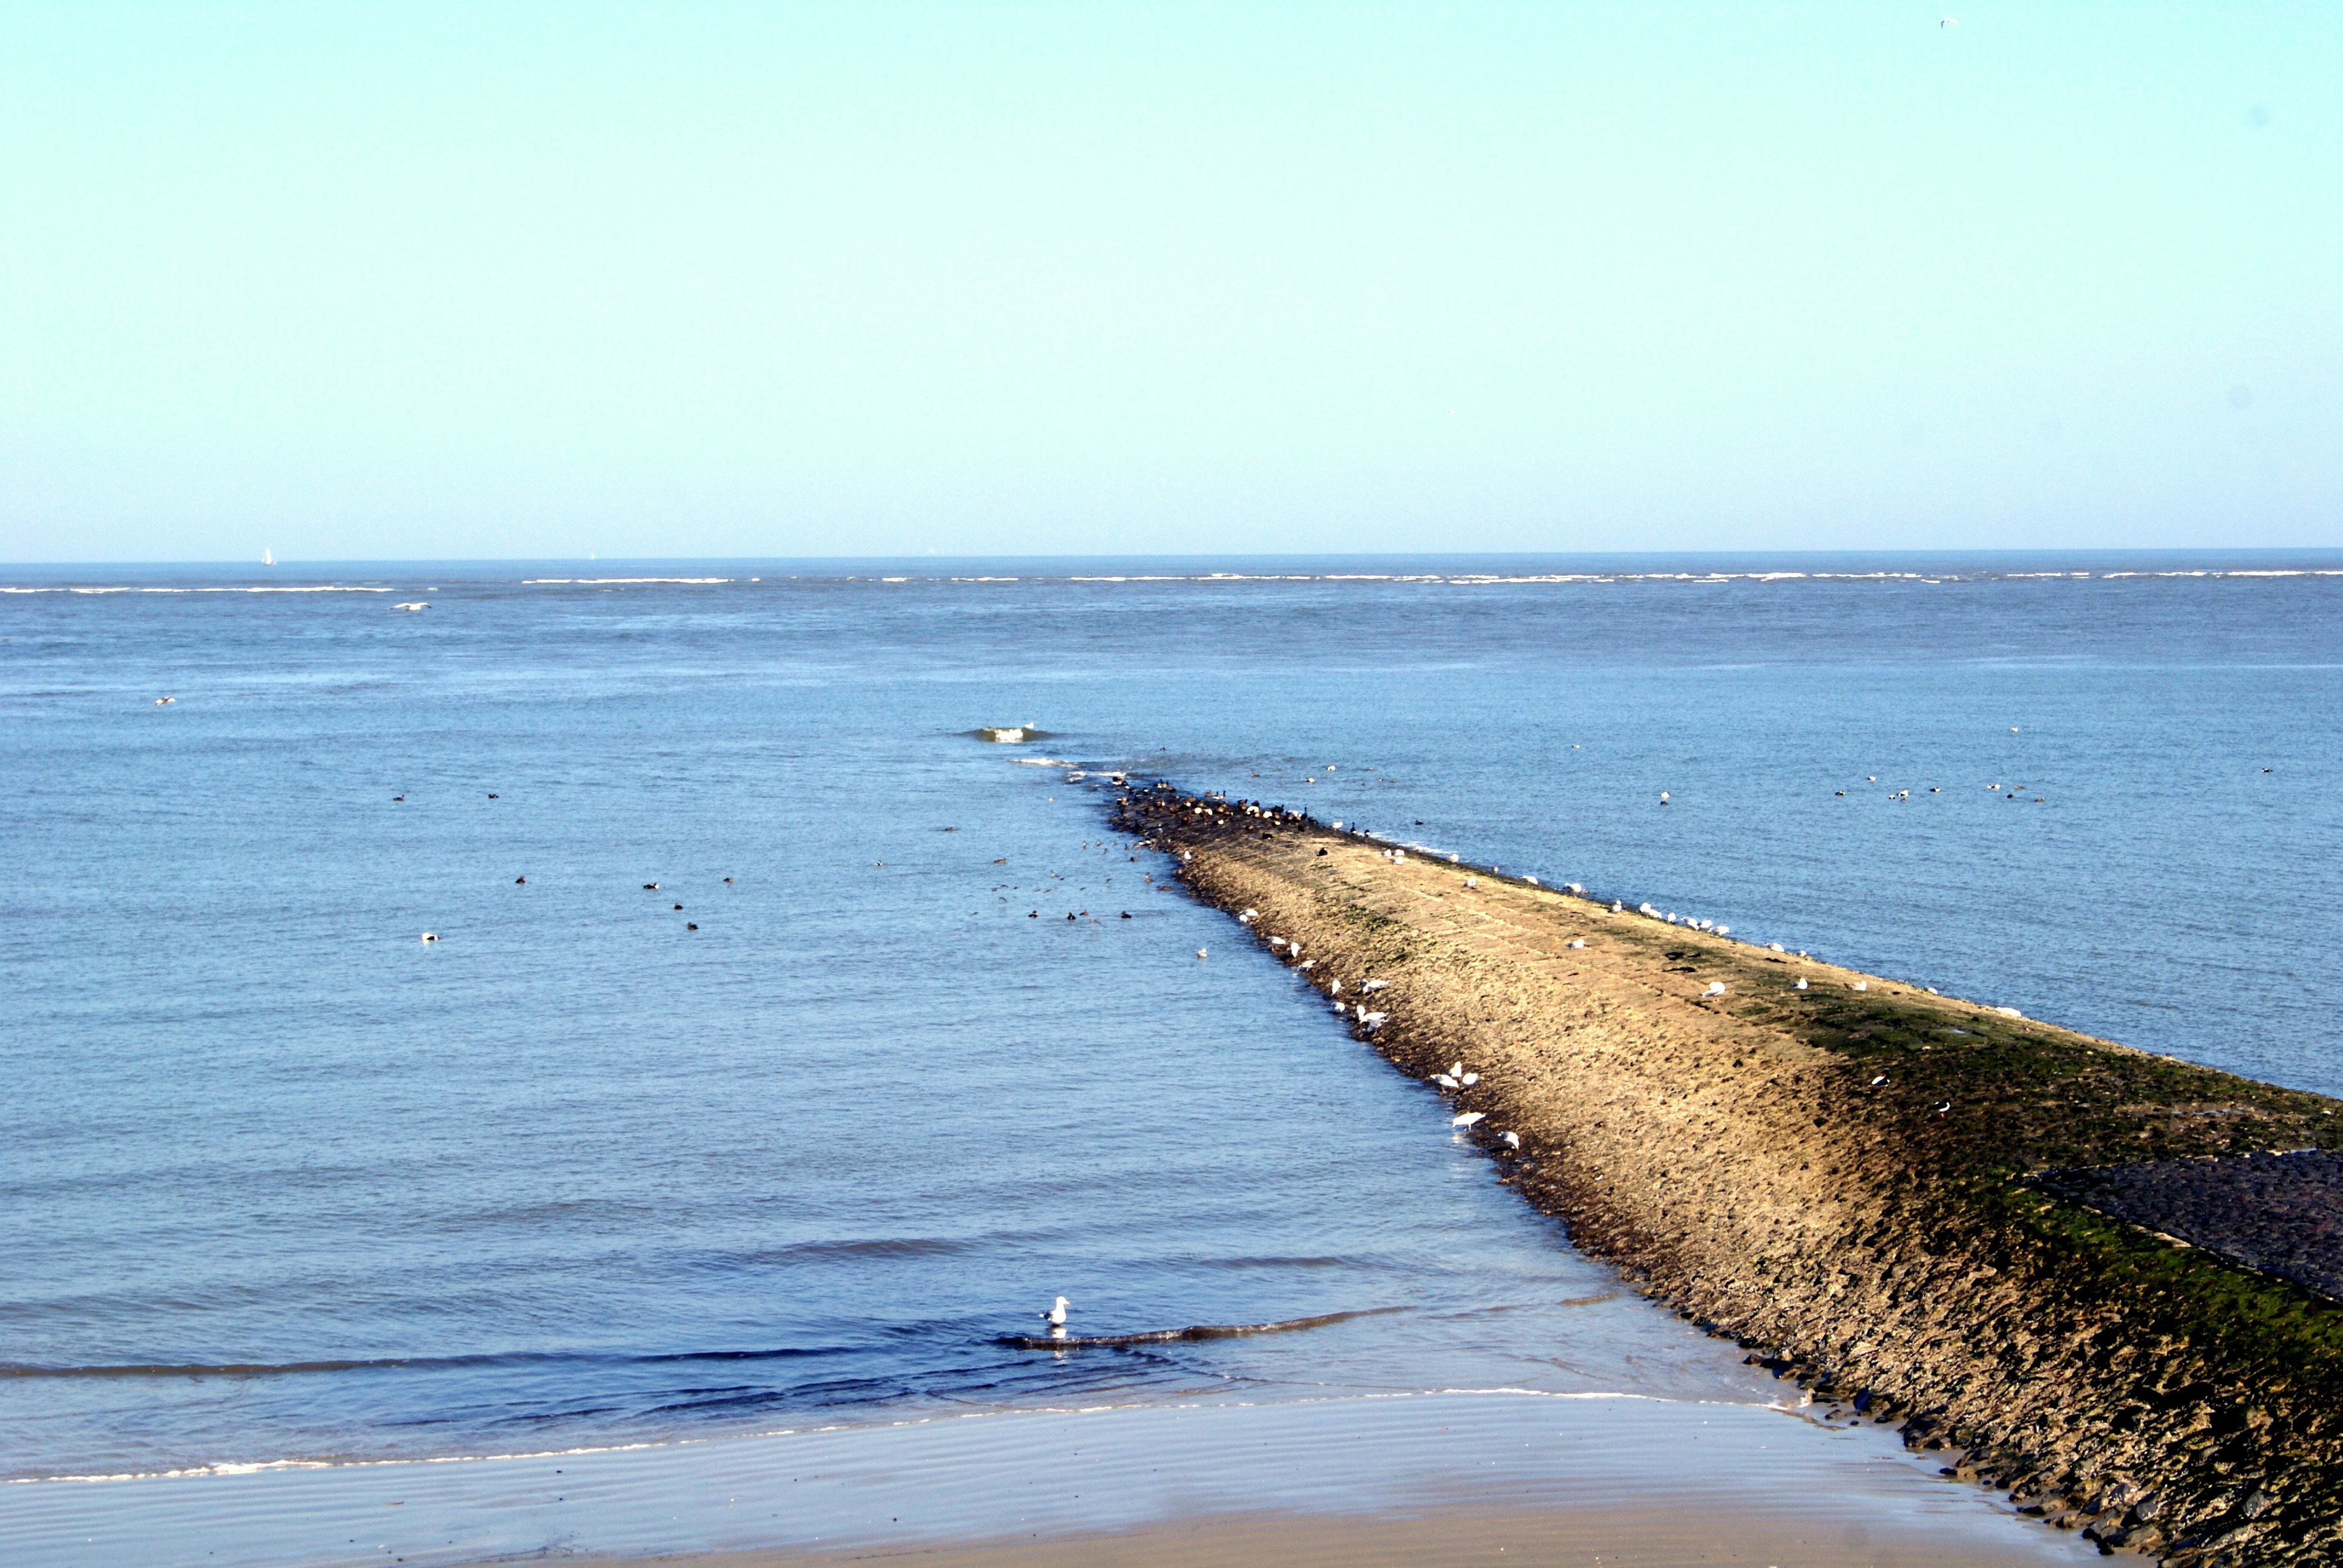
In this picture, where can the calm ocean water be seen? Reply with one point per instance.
(280, 1181)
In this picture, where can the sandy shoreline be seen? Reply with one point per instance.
(1653, 1536)
(1836, 1173)
(1404, 1477)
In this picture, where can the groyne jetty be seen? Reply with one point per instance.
(2072, 1269)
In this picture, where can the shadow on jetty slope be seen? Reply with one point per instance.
(1870, 1186)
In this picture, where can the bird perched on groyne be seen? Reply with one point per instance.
(1056, 1316)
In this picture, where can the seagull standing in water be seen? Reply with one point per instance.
(1056, 1316)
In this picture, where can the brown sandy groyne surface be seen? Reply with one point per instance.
(1842, 1178)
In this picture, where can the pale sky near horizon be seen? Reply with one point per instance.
(444, 281)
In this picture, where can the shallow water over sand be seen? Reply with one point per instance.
(1684, 1483)
(280, 1179)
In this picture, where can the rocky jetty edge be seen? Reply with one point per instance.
(1857, 1180)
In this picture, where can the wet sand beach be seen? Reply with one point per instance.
(1473, 1477)
(1848, 1174)
(1648, 1537)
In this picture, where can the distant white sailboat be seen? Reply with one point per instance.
(267, 558)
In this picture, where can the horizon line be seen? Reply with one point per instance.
(940, 557)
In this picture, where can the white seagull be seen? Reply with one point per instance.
(1056, 1316)
(1511, 1139)
(1468, 1118)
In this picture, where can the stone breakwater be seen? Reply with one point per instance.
(1844, 1176)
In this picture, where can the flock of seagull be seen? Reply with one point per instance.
(2015, 791)
(523, 881)
(1457, 1079)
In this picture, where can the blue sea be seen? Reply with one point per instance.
(757, 1074)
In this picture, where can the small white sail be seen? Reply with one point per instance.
(267, 558)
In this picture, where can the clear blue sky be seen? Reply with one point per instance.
(414, 280)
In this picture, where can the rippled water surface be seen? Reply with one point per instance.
(280, 1179)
